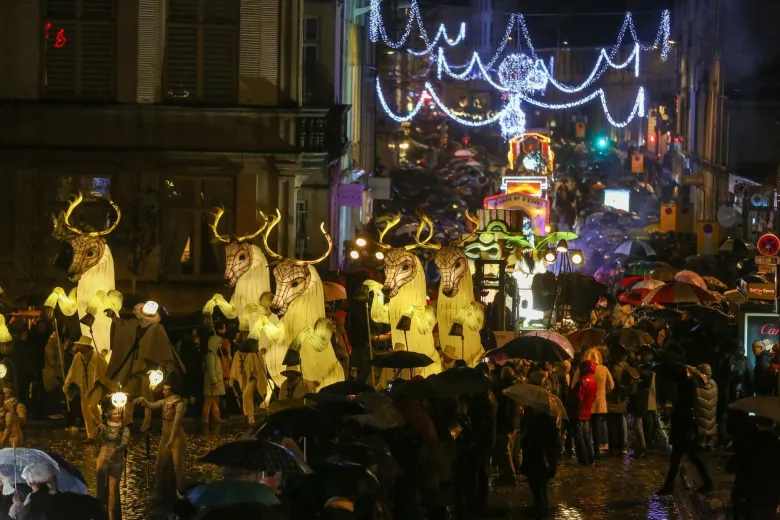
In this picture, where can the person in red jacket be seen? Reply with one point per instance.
(581, 399)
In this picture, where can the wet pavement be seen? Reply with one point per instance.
(616, 489)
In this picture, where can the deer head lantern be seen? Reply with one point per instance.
(451, 261)
(88, 246)
(401, 264)
(239, 252)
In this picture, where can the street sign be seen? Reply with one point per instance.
(766, 268)
(768, 245)
(768, 260)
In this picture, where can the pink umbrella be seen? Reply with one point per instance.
(564, 343)
(691, 278)
(648, 284)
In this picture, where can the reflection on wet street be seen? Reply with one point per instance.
(135, 495)
(617, 489)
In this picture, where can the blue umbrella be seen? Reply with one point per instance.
(227, 492)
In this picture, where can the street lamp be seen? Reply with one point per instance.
(563, 247)
(354, 255)
(576, 257)
(379, 255)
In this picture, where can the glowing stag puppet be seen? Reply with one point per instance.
(405, 287)
(300, 303)
(456, 303)
(246, 270)
(93, 268)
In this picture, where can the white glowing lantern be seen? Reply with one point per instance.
(119, 399)
(155, 378)
(150, 308)
(3, 371)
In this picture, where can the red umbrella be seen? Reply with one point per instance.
(633, 297)
(678, 292)
(630, 280)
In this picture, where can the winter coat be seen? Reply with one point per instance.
(617, 399)
(707, 410)
(603, 380)
(541, 445)
(765, 380)
(213, 384)
(583, 395)
(644, 400)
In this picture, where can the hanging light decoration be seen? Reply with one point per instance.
(3, 370)
(119, 399)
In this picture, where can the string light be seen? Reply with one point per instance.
(513, 120)
(377, 29)
(442, 33)
(595, 73)
(638, 109)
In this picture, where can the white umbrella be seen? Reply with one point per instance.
(634, 247)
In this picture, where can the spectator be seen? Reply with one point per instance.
(213, 382)
(706, 410)
(508, 418)
(581, 398)
(643, 404)
(756, 479)
(605, 384)
(765, 381)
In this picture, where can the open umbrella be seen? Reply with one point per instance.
(640, 268)
(400, 359)
(714, 284)
(537, 398)
(304, 421)
(635, 247)
(233, 511)
(629, 281)
(691, 278)
(629, 338)
(707, 315)
(676, 293)
(760, 406)
(649, 284)
(14, 460)
(343, 479)
(333, 292)
(256, 456)
(69, 478)
(226, 492)
(533, 348)
(416, 389)
(633, 297)
(554, 337)
(347, 388)
(585, 338)
(663, 273)
(460, 380)
(738, 246)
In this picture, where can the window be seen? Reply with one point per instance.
(201, 51)
(301, 234)
(59, 189)
(78, 57)
(188, 248)
(311, 48)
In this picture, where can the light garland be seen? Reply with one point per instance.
(377, 30)
(638, 109)
(513, 120)
(595, 73)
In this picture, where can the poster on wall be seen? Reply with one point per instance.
(759, 326)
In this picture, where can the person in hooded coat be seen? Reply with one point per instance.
(88, 373)
(605, 384)
(643, 404)
(213, 383)
(581, 398)
(707, 410)
(249, 371)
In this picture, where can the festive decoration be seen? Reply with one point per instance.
(3, 371)
(597, 71)
(119, 399)
(155, 378)
(377, 29)
(150, 308)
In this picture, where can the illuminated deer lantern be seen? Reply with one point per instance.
(246, 269)
(405, 287)
(300, 303)
(456, 303)
(93, 268)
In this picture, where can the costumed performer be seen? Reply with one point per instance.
(88, 373)
(14, 414)
(114, 440)
(249, 372)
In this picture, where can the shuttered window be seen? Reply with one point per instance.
(201, 51)
(79, 49)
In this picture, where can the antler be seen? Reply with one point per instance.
(324, 256)
(218, 212)
(394, 220)
(253, 235)
(78, 200)
(269, 225)
(424, 221)
(474, 220)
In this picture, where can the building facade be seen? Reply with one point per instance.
(169, 108)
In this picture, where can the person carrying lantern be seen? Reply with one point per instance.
(88, 372)
(14, 414)
(114, 440)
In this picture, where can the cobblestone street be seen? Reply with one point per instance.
(616, 489)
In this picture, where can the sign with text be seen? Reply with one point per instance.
(503, 337)
(759, 291)
(759, 326)
(768, 260)
(766, 268)
(351, 195)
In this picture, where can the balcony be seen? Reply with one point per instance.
(172, 128)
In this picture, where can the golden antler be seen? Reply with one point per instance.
(394, 220)
(218, 212)
(324, 256)
(474, 220)
(78, 200)
(425, 221)
(269, 225)
(250, 236)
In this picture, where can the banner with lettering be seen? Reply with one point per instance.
(758, 327)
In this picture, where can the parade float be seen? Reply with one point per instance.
(92, 268)
(300, 304)
(407, 311)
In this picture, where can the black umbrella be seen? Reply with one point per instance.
(234, 511)
(629, 338)
(340, 408)
(707, 315)
(534, 348)
(353, 452)
(737, 245)
(256, 456)
(304, 421)
(400, 359)
(347, 388)
(679, 372)
(64, 464)
(460, 380)
(343, 479)
(416, 389)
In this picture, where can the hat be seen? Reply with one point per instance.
(147, 312)
(291, 370)
(399, 346)
(449, 351)
(84, 340)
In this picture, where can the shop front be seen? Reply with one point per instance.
(757, 322)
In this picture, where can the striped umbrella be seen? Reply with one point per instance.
(635, 247)
(691, 278)
(677, 292)
(629, 281)
(665, 274)
(633, 297)
(649, 284)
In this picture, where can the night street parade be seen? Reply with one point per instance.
(390, 259)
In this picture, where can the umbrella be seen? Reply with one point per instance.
(227, 492)
(649, 284)
(285, 404)
(629, 338)
(707, 315)
(400, 359)
(333, 291)
(416, 389)
(714, 284)
(347, 388)
(737, 245)
(304, 421)
(678, 292)
(640, 268)
(761, 406)
(14, 460)
(534, 348)
(676, 371)
(691, 278)
(635, 247)
(735, 296)
(554, 337)
(258, 511)
(460, 380)
(630, 281)
(340, 407)
(665, 274)
(344, 479)
(256, 456)
(586, 338)
(633, 297)
(537, 398)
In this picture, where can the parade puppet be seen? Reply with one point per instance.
(456, 305)
(406, 288)
(14, 415)
(172, 451)
(300, 303)
(246, 270)
(114, 440)
(93, 268)
(248, 370)
(88, 373)
(140, 345)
